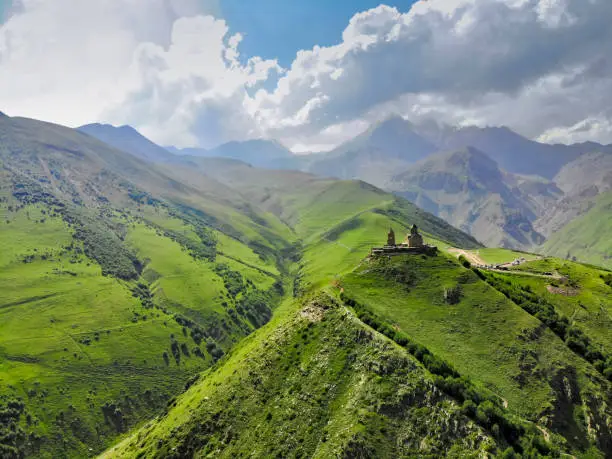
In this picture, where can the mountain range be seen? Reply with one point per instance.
(500, 187)
(190, 306)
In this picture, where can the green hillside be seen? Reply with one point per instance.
(317, 382)
(529, 388)
(120, 280)
(588, 237)
(91, 354)
(487, 337)
(117, 284)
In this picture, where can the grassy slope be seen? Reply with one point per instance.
(486, 337)
(500, 256)
(312, 205)
(584, 297)
(126, 342)
(314, 382)
(588, 237)
(80, 349)
(93, 324)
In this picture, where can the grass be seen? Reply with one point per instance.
(50, 309)
(501, 256)
(486, 337)
(92, 352)
(73, 341)
(581, 294)
(315, 381)
(586, 238)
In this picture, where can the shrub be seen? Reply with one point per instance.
(452, 295)
(465, 262)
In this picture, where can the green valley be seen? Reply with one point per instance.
(205, 307)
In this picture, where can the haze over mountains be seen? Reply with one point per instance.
(500, 187)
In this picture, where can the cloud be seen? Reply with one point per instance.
(172, 68)
(533, 65)
(164, 66)
(193, 92)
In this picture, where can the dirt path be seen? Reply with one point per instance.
(471, 257)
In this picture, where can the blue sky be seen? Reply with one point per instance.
(279, 28)
(3, 8)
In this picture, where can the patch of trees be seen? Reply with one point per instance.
(213, 349)
(142, 197)
(538, 307)
(255, 306)
(142, 292)
(27, 191)
(176, 351)
(483, 408)
(465, 262)
(113, 415)
(105, 247)
(204, 250)
(452, 295)
(233, 280)
(12, 436)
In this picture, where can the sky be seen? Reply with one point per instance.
(310, 74)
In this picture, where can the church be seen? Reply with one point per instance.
(413, 244)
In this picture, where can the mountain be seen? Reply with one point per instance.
(588, 236)
(467, 189)
(581, 182)
(513, 152)
(395, 136)
(124, 283)
(120, 279)
(117, 284)
(128, 139)
(380, 365)
(374, 155)
(320, 384)
(258, 152)
(589, 172)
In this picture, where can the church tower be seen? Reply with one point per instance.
(391, 238)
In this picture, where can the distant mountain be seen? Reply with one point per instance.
(376, 154)
(468, 189)
(587, 237)
(590, 171)
(513, 152)
(395, 137)
(581, 182)
(263, 153)
(128, 139)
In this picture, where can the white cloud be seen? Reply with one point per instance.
(159, 65)
(533, 65)
(173, 70)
